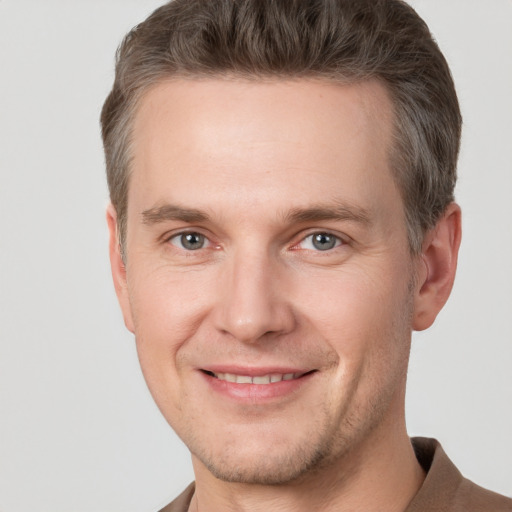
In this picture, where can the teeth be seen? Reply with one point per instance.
(264, 379)
(260, 379)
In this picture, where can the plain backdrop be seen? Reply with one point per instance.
(78, 429)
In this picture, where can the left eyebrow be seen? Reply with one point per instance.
(336, 211)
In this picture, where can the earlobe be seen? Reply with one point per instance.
(438, 265)
(118, 267)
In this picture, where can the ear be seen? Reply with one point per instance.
(438, 263)
(118, 268)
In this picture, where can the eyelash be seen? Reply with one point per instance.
(338, 241)
(182, 234)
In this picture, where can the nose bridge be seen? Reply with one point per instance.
(251, 304)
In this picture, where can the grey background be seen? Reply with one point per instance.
(78, 429)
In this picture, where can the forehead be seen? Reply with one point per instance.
(290, 107)
(261, 141)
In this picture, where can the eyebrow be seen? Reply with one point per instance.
(168, 212)
(336, 211)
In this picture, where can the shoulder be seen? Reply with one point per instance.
(445, 489)
(472, 497)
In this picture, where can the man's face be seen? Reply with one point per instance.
(268, 275)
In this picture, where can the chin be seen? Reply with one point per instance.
(265, 469)
(267, 457)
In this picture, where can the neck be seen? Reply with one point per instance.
(380, 473)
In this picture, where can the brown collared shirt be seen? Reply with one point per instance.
(444, 488)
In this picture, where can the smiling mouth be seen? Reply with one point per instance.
(270, 378)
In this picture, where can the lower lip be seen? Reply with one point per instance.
(256, 392)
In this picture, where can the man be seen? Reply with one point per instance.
(281, 175)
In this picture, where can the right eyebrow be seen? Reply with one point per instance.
(168, 212)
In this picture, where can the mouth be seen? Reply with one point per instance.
(256, 385)
(269, 378)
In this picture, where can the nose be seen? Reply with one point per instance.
(252, 303)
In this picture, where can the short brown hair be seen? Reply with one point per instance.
(343, 41)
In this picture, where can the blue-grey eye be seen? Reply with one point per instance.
(321, 241)
(190, 241)
(324, 241)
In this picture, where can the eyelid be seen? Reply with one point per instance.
(340, 240)
(179, 236)
(182, 230)
(167, 237)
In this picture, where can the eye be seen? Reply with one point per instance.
(190, 241)
(320, 241)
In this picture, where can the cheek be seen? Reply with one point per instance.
(167, 308)
(360, 314)
(365, 322)
(168, 305)
(349, 300)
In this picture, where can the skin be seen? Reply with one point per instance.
(257, 168)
